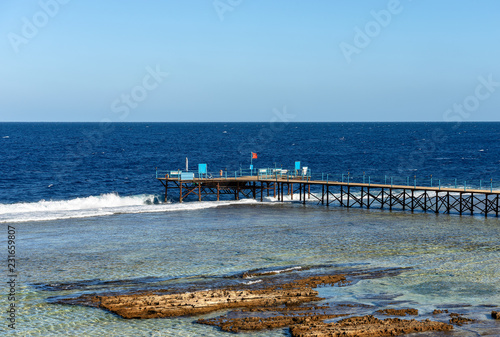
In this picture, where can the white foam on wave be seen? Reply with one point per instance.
(287, 270)
(271, 272)
(252, 282)
(106, 204)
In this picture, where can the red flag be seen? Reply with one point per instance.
(254, 155)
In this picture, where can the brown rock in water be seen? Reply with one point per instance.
(398, 312)
(459, 320)
(262, 323)
(270, 304)
(367, 326)
(436, 311)
(495, 315)
(151, 305)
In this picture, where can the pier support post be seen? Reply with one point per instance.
(448, 202)
(460, 201)
(218, 190)
(341, 195)
(486, 205)
(390, 199)
(472, 204)
(348, 194)
(328, 196)
(361, 202)
(304, 196)
(404, 199)
(496, 209)
(382, 203)
(199, 191)
(322, 194)
(261, 191)
(166, 190)
(180, 192)
(412, 200)
(437, 202)
(425, 201)
(368, 198)
(309, 191)
(291, 194)
(254, 194)
(282, 188)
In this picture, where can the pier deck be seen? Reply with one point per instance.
(435, 199)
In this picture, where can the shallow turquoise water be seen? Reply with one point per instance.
(453, 260)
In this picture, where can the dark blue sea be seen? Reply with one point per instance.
(86, 206)
(60, 161)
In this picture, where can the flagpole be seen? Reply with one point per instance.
(251, 159)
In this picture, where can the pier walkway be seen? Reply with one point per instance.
(280, 184)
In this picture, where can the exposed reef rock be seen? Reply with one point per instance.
(398, 312)
(459, 320)
(367, 326)
(149, 305)
(437, 312)
(277, 299)
(262, 323)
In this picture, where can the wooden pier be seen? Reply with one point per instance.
(462, 201)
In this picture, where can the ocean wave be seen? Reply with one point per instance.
(252, 282)
(103, 205)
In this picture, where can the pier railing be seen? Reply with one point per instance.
(411, 181)
(346, 177)
(266, 173)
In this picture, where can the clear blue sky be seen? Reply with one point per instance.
(80, 60)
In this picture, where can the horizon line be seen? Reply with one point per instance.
(291, 122)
